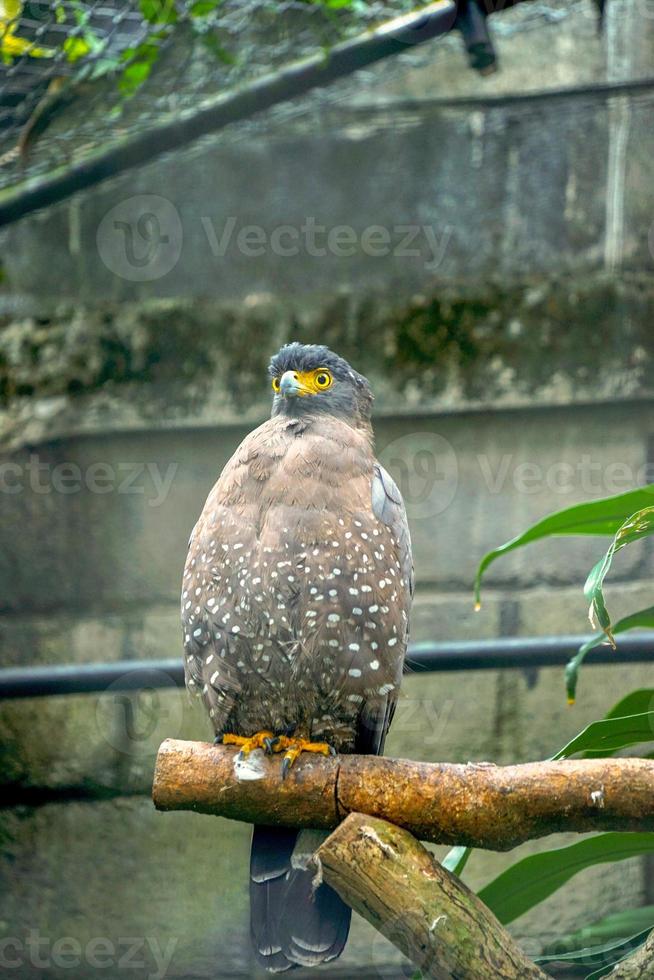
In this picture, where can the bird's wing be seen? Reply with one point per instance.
(388, 507)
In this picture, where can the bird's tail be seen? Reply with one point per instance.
(292, 922)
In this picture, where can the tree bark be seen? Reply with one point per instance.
(390, 879)
(480, 805)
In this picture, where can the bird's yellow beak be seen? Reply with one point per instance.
(296, 384)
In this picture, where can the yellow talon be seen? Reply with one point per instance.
(291, 747)
(262, 740)
(294, 747)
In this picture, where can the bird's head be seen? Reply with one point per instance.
(309, 379)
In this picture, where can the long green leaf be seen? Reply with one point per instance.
(604, 953)
(638, 620)
(633, 945)
(602, 738)
(593, 517)
(610, 928)
(638, 525)
(635, 703)
(538, 876)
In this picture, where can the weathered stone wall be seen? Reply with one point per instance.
(512, 362)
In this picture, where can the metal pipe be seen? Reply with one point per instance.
(504, 653)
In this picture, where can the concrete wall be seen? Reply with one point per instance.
(514, 355)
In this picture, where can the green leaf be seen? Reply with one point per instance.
(593, 517)
(637, 526)
(603, 738)
(203, 7)
(633, 945)
(142, 58)
(134, 76)
(456, 859)
(211, 42)
(160, 12)
(635, 703)
(608, 929)
(538, 876)
(76, 48)
(604, 953)
(642, 619)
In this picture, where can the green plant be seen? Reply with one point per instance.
(532, 879)
(626, 518)
(132, 64)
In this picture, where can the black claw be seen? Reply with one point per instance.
(332, 750)
(286, 765)
(290, 730)
(218, 740)
(269, 744)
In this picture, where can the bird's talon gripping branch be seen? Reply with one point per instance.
(294, 747)
(262, 740)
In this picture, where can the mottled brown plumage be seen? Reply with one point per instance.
(296, 594)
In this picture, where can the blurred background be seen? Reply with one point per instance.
(481, 246)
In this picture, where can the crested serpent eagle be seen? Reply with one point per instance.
(295, 608)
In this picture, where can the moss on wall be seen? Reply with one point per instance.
(556, 341)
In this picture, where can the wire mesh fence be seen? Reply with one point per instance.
(44, 44)
(83, 78)
(126, 65)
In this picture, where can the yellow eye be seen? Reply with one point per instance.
(275, 384)
(322, 379)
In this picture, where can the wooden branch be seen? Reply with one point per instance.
(390, 879)
(477, 804)
(638, 966)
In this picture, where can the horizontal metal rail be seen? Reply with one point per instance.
(504, 653)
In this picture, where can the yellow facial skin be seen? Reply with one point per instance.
(308, 382)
